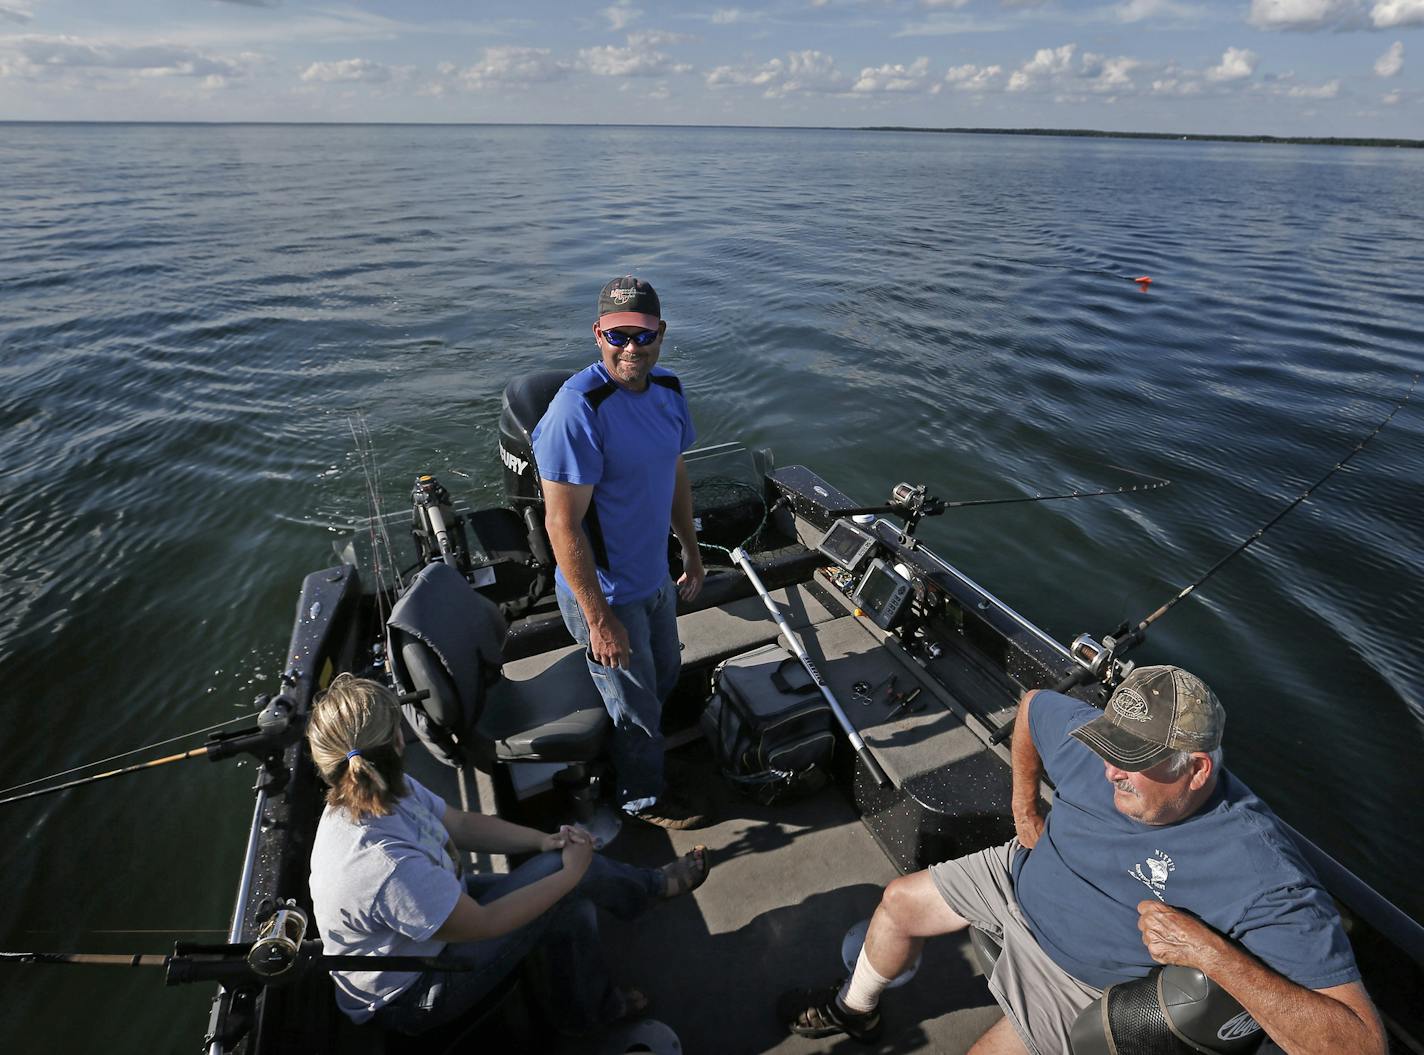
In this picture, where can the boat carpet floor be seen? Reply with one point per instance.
(787, 882)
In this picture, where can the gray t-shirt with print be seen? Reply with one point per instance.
(382, 886)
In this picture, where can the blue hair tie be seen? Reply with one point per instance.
(353, 753)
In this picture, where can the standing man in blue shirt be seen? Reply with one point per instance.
(1152, 853)
(609, 450)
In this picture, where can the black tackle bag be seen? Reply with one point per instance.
(769, 726)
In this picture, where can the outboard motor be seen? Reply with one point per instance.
(525, 400)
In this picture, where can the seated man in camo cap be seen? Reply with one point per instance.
(1152, 853)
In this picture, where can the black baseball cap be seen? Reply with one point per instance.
(1154, 712)
(629, 301)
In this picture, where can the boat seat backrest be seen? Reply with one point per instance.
(1173, 1011)
(447, 639)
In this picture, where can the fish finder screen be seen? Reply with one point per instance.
(846, 544)
(881, 593)
(878, 588)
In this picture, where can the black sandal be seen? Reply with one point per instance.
(687, 873)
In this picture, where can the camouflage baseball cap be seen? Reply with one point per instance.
(1154, 712)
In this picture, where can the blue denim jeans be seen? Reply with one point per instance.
(572, 974)
(634, 697)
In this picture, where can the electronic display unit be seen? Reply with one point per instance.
(846, 544)
(881, 593)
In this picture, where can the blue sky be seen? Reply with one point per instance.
(1282, 67)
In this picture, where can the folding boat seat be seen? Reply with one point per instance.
(1173, 1011)
(446, 638)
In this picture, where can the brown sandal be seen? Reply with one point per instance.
(687, 873)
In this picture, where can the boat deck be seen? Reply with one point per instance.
(787, 882)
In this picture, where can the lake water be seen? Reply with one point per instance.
(189, 315)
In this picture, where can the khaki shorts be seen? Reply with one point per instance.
(1038, 997)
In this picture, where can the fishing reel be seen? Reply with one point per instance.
(912, 503)
(439, 532)
(1101, 660)
(278, 947)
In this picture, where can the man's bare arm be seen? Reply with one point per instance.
(1300, 1020)
(565, 506)
(683, 526)
(1028, 774)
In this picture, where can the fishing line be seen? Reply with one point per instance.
(1157, 482)
(126, 754)
(1160, 612)
(1101, 662)
(377, 525)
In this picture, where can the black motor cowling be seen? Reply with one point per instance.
(525, 401)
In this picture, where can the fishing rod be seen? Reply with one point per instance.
(280, 954)
(1098, 661)
(275, 729)
(912, 503)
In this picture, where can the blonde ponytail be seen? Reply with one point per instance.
(353, 733)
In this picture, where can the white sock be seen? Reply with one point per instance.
(862, 993)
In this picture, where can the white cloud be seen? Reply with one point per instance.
(1392, 61)
(894, 78)
(1109, 74)
(1176, 86)
(1388, 14)
(1305, 14)
(16, 13)
(1315, 91)
(621, 15)
(657, 38)
(1391, 98)
(944, 3)
(1131, 11)
(363, 70)
(808, 71)
(730, 16)
(1046, 62)
(507, 64)
(39, 54)
(629, 62)
(971, 78)
(1236, 64)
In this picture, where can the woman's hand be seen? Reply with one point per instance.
(561, 838)
(577, 849)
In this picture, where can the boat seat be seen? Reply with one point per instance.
(552, 715)
(447, 639)
(1152, 1013)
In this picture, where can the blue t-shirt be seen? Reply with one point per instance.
(626, 444)
(1231, 864)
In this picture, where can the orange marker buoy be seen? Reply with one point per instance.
(1143, 280)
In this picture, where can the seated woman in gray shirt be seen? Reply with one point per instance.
(385, 880)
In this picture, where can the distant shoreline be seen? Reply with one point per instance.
(1089, 133)
(1092, 133)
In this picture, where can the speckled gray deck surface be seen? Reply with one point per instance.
(786, 884)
